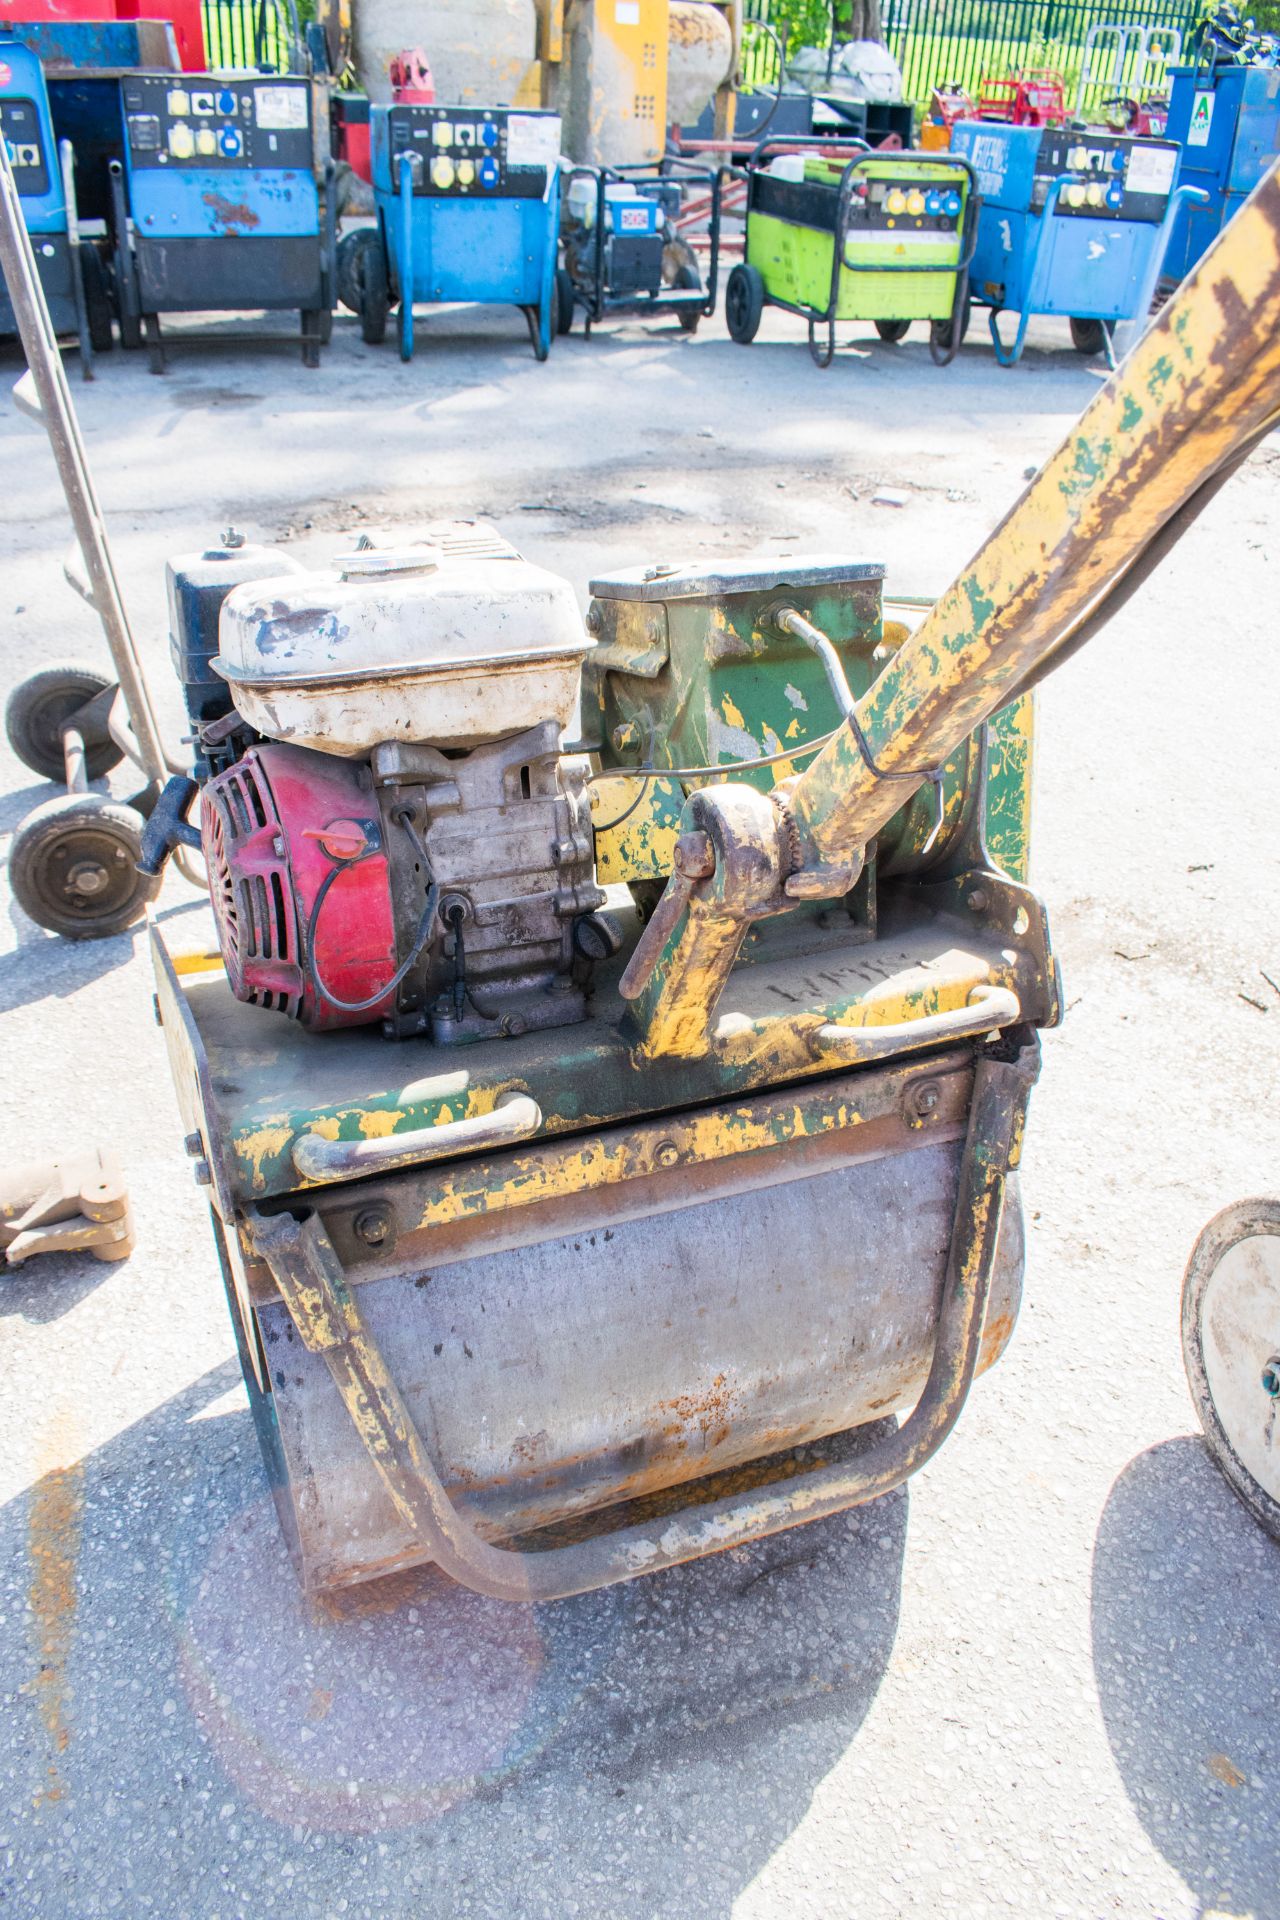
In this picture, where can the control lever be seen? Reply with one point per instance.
(694, 860)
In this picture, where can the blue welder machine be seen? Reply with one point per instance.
(222, 185)
(1073, 222)
(468, 203)
(72, 272)
(1226, 119)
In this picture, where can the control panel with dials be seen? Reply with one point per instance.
(21, 131)
(1107, 176)
(471, 152)
(217, 121)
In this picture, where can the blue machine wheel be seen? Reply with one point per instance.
(744, 304)
(564, 300)
(1088, 336)
(97, 298)
(371, 296)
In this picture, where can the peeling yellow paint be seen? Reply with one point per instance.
(377, 1124)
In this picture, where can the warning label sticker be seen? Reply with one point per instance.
(533, 140)
(1201, 120)
(1151, 169)
(280, 108)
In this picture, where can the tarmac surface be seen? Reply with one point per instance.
(1041, 1680)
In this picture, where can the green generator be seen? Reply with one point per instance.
(886, 237)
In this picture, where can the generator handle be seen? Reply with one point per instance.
(514, 1117)
(833, 145)
(988, 1008)
(324, 1308)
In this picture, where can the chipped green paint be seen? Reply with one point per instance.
(1088, 466)
(1131, 414)
(586, 1076)
(1159, 377)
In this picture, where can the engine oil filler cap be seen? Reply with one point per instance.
(373, 563)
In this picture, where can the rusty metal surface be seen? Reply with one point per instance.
(623, 1355)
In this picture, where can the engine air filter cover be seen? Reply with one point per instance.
(456, 642)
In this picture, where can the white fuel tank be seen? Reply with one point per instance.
(450, 643)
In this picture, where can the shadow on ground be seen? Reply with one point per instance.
(1186, 1640)
(639, 1751)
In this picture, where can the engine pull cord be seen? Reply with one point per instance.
(405, 819)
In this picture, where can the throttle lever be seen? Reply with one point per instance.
(694, 860)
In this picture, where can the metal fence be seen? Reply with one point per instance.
(939, 41)
(250, 33)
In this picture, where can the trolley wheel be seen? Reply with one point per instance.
(1088, 336)
(893, 330)
(128, 322)
(744, 304)
(373, 295)
(39, 708)
(97, 298)
(346, 272)
(942, 345)
(1231, 1347)
(688, 277)
(73, 866)
(564, 300)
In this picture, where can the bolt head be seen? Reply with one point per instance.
(977, 900)
(202, 1173)
(666, 1153)
(373, 1224)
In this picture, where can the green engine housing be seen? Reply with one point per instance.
(689, 671)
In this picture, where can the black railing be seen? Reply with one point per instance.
(940, 41)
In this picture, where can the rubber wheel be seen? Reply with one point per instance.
(73, 866)
(129, 324)
(688, 277)
(97, 298)
(1231, 1348)
(1088, 336)
(940, 332)
(744, 304)
(346, 272)
(893, 330)
(39, 708)
(373, 296)
(564, 300)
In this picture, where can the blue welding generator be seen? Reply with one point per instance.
(1226, 120)
(72, 271)
(228, 194)
(468, 204)
(1073, 222)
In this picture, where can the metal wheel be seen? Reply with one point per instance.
(39, 708)
(892, 331)
(744, 304)
(1088, 336)
(1231, 1347)
(72, 866)
(564, 300)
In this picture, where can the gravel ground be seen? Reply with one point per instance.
(1043, 1679)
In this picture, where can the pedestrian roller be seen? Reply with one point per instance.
(611, 1083)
